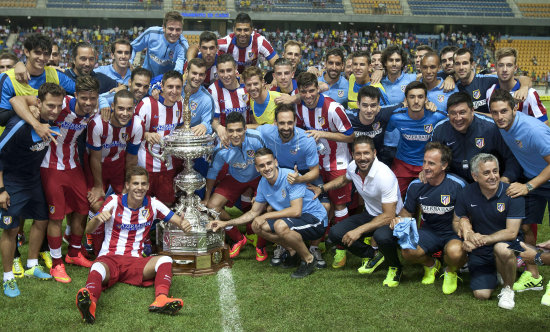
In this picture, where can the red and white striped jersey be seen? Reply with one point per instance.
(128, 228)
(247, 56)
(211, 72)
(227, 101)
(161, 119)
(64, 155)
(113, 141)
(329, 116)
(532, 105)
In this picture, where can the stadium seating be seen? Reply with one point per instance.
(200, 5)
(18, 3)
(391, 7)
(527, 49)
(490, 8)
(535, 9)
(192, 39)
(106, 4)
(292, 6)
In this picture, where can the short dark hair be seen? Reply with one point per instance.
(448, 49)
(390, 50)
(226, 57)
(368, 91)
(306, 79)
(335, 52)
(9, 56)
(235, 117)
(79, 45)
(86, 83)
(171, 74)
(135, 171)
(430, 54)
(502, 95)
(120, 41)
(251, 71)
(416, 85)
(263, 152)
(424, 48)
(123, 94)
(361, 54)
(281, 108)
(243, 18)
(207, 36)
(50, 88)
(36, 41)
(463, 51)
(363, 139)
(459, 98)
(141, 71)
(446, 152)
(375, 52)
(172, 16)
(197, 62)
(282, 62)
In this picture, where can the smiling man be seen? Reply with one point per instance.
(429, 66)
(119, 69)
(360, 77)
(337, 83)
(262, 101)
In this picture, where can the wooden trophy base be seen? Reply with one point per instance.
(200, 264)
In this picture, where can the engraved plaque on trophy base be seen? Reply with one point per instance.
(199, 264)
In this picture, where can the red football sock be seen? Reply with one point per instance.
(234, 234)
(75, 243)
(245, 206)
(249, 228)
(163, 279)
(261, 242)
(54, 242)
(534, 228)
(94, 284)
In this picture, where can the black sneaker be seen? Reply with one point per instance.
(304, 269)
(279, 256)
(291, 261)
(316, 252)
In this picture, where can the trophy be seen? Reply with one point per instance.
(201, 251)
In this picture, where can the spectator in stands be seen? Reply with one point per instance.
(7, 61)
(119, 70)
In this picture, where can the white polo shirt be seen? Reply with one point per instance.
(380, 186)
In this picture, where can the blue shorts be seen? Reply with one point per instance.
(535, 205)
(432, 242)
(28, 203)
(482, 267)
(308, 226)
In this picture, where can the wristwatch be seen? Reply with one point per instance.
(529, 187)
(538, 259)
(322, 187)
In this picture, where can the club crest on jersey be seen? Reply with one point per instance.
(321, 121)
(178, 114)
(403, 87)
(476, 94)
(283, 193)
(428, 128)
(340, 93)
(52, 209)
(6, 220)
(519, 143)
(440, 98)
(251, 55)
(215, 76)
(480, 142)
(193, 105)
(145, 213)
(501, 207)
(124, 136)
(171, 54)
(245, 97)
(445, 199)
(376, 126)
(250, 153)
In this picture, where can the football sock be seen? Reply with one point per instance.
(8, 276)
(55, 249)
(32, 263)
(233, 233)
(75, 243)
(95, 279)
(163, 278)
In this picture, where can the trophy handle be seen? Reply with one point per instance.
(160, 156)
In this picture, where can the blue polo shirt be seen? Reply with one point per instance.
(338, 91)
(414, 134)
(482, 136)
(529, 141)
(440, 97)
(488, 215)
(301, 150)
(478, 90)
(282, 193)
(201, 105)
(436, 203)
(113, 74)
(240, 159)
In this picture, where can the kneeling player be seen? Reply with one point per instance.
(436, 199)
(128, 219)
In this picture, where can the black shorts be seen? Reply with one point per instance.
(308, 226)
(535, 205)
(28, 203)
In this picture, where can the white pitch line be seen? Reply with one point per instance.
(228, 305)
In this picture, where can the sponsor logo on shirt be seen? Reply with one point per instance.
(440, 210)
(116, 144)
(133, 227)
(72, 126)
(480, 142)
(40, 146)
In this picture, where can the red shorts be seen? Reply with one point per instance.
(161, 186)
(65, 191)
(233, 189)
(112, 174)
(405, 174)
(341, 195)
(128, 270)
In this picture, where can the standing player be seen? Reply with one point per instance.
(293, 53)
(446, 57)
(337, 83)
(119, 70)
(209, 52)
(229, 95)
(138, 85)
(528, 140)
(325, 120)
(415, 126)
(262, 101)
(435, 199)
(20, 159)
(246, 45)
(421, 51)
(361, 77)
(284, 76)
(376, 61)
(55, 56)
(506, 67)
(201, 103)
(166, 47)
(429, 66)
(7, 61)
(128, 219)
(160, 118)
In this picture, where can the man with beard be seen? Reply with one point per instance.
(337, 84)
(446, 57)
